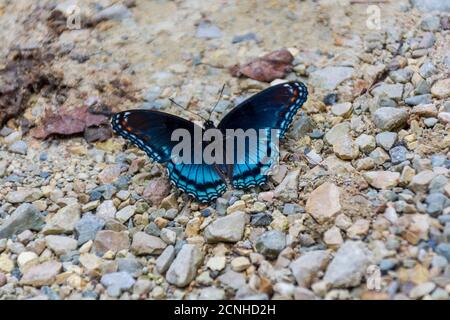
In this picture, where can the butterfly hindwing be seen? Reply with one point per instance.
(201, 181)
(151, 131)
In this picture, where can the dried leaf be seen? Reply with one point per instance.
(267, 68)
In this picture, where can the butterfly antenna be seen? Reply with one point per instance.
(218, 100)
(185, 109)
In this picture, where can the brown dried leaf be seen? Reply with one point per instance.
(274, 65)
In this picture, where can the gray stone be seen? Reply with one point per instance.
(87, 227)
(117, 282)
(431, 23)
(427, 69)
(432, 5)
(401, 75)
(60, 244)
(24, 195)
(207, 30)
(348, 266)
(130, 265)
(184, 268)
(232, 279)
(366, 143)
(388, 119)
(435, 203)
(392, 91)
(226, 229)
(114, 12)
(443, 249)
(19, 147)
(25, 217)
(329, 78)
(422, 87)
(211, 293)
(302, 127)
(421, 290)
(386, 139)
(398, 154)
(439, 160)
(165, 259)
(271, 243)
(416, 100)
(306, 267)
(430, 122)
(438, 184)
(428, 40)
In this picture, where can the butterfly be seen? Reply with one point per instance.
(270, 111)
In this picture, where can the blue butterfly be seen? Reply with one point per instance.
(271, 109)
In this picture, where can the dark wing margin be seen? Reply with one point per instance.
(271, 109)
(150, 130)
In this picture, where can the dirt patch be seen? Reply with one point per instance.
(27, 72)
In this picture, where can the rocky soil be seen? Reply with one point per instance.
(364, 178)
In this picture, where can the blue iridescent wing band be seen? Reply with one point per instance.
(151, 131)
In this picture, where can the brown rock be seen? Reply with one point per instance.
(323, 203)
(156, 190)
(382, 179)
(110, 174)
(42, 274)
(144, 243)
(108, 240)
(425, 110)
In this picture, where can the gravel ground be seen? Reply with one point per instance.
(362, 188)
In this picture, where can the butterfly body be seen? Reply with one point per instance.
(268, 113)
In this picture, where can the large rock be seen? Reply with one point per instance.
(116, 282)
(25, 217)
(165, 259)
(271, 243)
(43, 274)
(108, 240)
(60, 244)
(87, 227)
(441, 89)
(382, 179)
(64, 220)
(329, 78)
(306, 267)
(323, 203)
(389, 118)
(144, 243)
(392, 91)
(288, 188)
(432, 5)
(337, 133)
(226, 229)
(24, 195)
(348, 266)
(184, 267)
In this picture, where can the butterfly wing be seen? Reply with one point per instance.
(201, 181)
(273, 108)
(151, 131)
